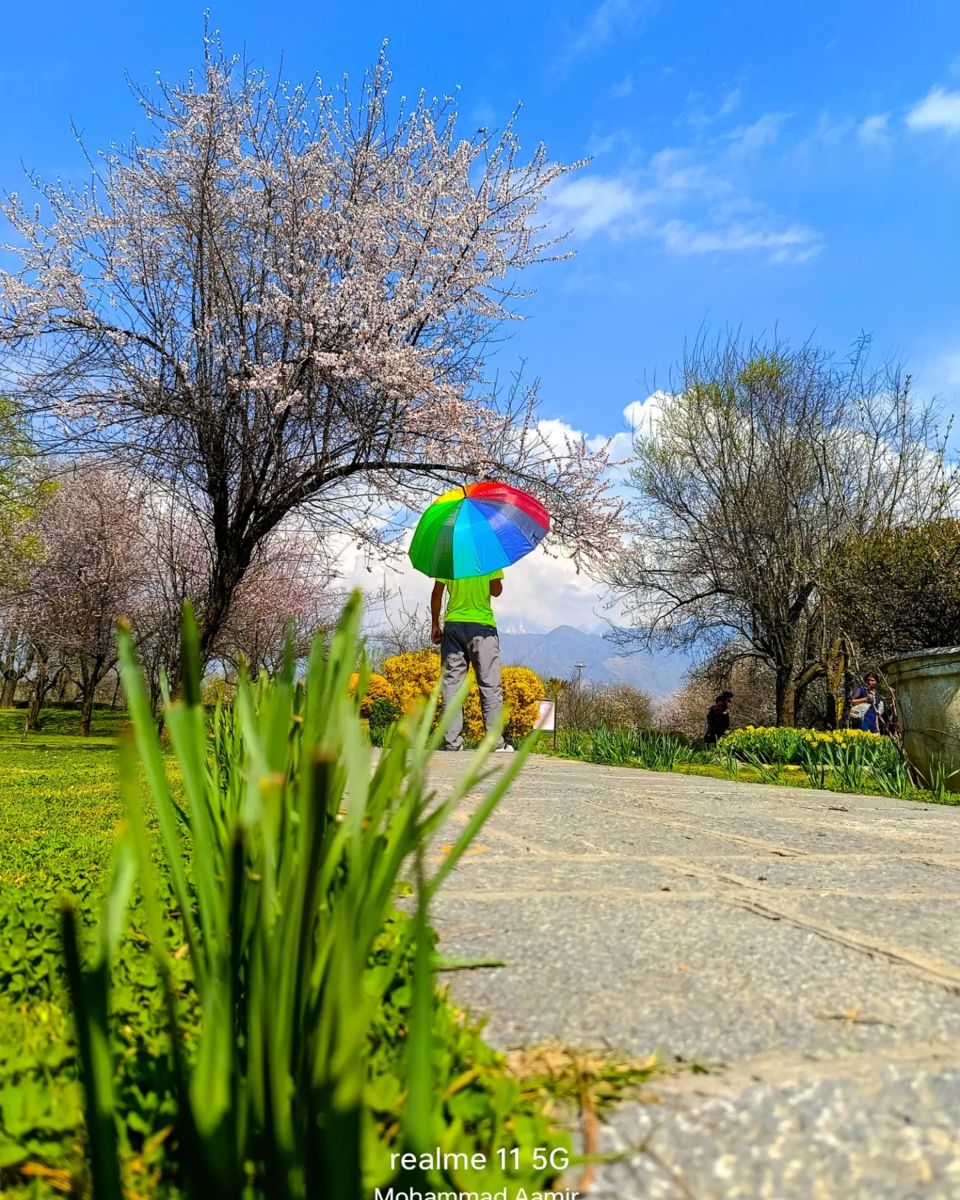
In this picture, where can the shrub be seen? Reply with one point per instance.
(611, 745)
(384, 714)
(522, 692)
(676, 735)
(808, 746)
(615, 705)
(378, 688)
(626, 747)
(412, 677)
(572, 743)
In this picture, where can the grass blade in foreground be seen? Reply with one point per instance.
(283, 877)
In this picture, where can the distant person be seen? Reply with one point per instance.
(718, 718)
(866, 706)
(469, 638)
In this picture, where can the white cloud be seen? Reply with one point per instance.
(941, 376)
(580, 281)
(677, 172)
(702, 113)
(951, 369)
(623, 89)
(792, 244)
(875, 131)
(538, 589)
(557, 434)
(831, 130)
(603, 143)
(643, 416)
(939, 109)
(749, 139)
(606, 21)
(483, 114)
(591, 203)
(688, 203)
(549, 592)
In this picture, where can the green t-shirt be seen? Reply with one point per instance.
(469, 599)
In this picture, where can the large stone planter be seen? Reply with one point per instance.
(927, 687)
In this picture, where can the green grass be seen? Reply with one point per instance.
(845, 769)
(60, 814)
(106, 723)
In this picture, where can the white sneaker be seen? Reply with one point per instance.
(506, 748)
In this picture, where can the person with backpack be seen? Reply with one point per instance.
(866, 706)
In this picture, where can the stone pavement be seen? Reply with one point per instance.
(806, 944)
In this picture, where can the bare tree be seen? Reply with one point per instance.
(750, 680)
(585, 706)
(401, 629)
(282, 303)
(763, 460)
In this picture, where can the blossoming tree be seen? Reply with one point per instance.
(281, 302)
(88, 572)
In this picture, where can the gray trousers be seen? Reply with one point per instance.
(466, 644)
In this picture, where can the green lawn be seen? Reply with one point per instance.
(107, 722)
(59, 812)
(59, 816)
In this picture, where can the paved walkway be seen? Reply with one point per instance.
(806, 943)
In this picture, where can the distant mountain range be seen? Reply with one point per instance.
(555, 653)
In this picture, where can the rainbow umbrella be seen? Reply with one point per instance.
(477, 529)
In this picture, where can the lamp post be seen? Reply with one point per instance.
(579, 668)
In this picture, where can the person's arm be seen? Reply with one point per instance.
(496, 587)
(436, 599)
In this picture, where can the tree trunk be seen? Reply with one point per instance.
(786, 695)
(37, 696)
(228, 572)
(90, 679)
(10, 673)
(836, 669)
(86, 711)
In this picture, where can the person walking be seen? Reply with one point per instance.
(468, 638)
(718, 718)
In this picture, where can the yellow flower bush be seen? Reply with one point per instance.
(413, 677)
(788, 746)
(522, 692)
(378, 688)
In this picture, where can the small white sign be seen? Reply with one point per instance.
(548, 716)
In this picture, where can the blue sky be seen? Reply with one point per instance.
(753, 165)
